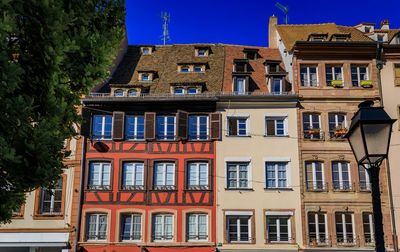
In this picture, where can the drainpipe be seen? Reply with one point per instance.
(379, 66)
(78, 218)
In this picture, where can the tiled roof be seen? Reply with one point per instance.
(392, 33)
(164, 61)
(292, 33)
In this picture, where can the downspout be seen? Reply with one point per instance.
(379, 66)
(78, 218)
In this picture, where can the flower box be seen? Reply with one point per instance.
(314, 131)
(366, 83)
(337, 83)
(340, 131)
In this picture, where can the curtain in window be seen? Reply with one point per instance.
(170, 170)
(202, 227)
(243, 181)
(126, 227)
(192, 227)
(137, 227)
(127, 174)
(91, 227)
(106, 174)
(157, 227)
(102, 227)
(271, 175)
(94, 177)
(203, 173)
(232, 178)
(282, 181)
(168, 232)
(159, 174)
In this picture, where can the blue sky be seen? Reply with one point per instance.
(244, 22)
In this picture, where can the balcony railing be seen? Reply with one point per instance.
(365, 186)
(316, 186)
(326, 240)
(343, 186)
(99, 187)
(164, 187)
(313, 135)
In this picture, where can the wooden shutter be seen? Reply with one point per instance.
(118, 126)
(232, 122)
(182, 125)
(397, 74)
(86, 124)
(270, 127)
(150, 125)
(215, 126)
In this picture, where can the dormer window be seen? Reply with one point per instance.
(202, 51)
(192, 90)
(240, 67)
(272, 67)
(191, 68)
(178, 91)
(318, 37)
(367, 29)
(186, 88)
(132, 93)
(145, 77)
(185, 69)
(119, 93)
(198, 69)
(250, 53)
(380, 38)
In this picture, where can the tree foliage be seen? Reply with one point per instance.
(51, 53)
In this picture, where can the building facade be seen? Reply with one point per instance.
(149, 181)
(333, 69)
(257, 160)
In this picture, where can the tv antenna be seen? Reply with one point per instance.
(165, 17)
(285, 10)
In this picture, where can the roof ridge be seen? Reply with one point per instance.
(306, 24)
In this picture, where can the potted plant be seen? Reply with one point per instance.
(340, 131)
(337, 83)
(313, 131)
(366, 83)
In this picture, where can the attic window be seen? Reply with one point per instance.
(380, 38)
(145, 77)
(146, 50)
(198, 69)
(367, 29)
(118, 93)
(240, 67)
(185, 69)
(202, 52)
(318, 37)
(251, 55)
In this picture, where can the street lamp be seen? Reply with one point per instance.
(369, 138)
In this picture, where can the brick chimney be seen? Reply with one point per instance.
(272, 36)
(385, 24)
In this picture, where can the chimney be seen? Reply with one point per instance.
(385, 24)
(272, 36)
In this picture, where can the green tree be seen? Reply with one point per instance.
(51, 53)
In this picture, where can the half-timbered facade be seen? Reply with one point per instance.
(149, 180)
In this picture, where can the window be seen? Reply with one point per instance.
(134, 128)
(368, 224)
(132, 93)
(197, 227)
(240, 86)
(367, 29)
(132, 176)
(276, 175)
(238, 175)
(317, 228)
(272, 68)
(333, 73)
(202, 52)
(96, 227)
(341, 176)
(192, 90)
(145, 77)
(198, 69)
(251, 55)
(358, 74)
(278, 228)
(185, 69)
(164, 176)
(238, 228)
(238, 126)
(51, 199)
(99, 176)
(397, 74)
(118, 93)
(165, 128)
(198, 127)
(345, 233)
(102, 127)
(315, 176)
(309, 76)
(131, 227)
(240, 67)
(311, 126)
(337, 125)
(197, 176)
(365, 184)
(276, 126)
(163, 227)
(380, 38)
(277, 87)
(178, 91)
(145, 50)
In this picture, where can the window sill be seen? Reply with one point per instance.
(98, 190)
(239, 189)
(284, 136)
(238, 136)
(278, 189)
(48, 217)
(16, 217)
(280, 243)
(132, 190)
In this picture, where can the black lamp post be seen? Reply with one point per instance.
(369, 138)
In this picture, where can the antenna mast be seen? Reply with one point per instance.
(165, 17)
(284, 9)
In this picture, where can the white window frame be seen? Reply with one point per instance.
(312, 123)
(118, 91)
(332, 71)
(165, 135)
(344, 228)
(198, 126)
(317, 227)
(135, 130)
(340, 171)
(97, 226)
(164, 167)
(278, 215)
(100, 186)
(187, 90)
(197, 185)
(103, 126)
(182, 67)
(133, 178)
(280, 85)
(314, 172)
(201, 69)
(371, 227)
(358, 74)
(237, 117)
(147, 75)
(131, 230)
(162, 228)
(238, 162)
(277, 116)
(337, 120)
(367, 179)
(308, 83)
(235, 85)
(52, 199)
(238, 214)
(288, 185)
(197, 227)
